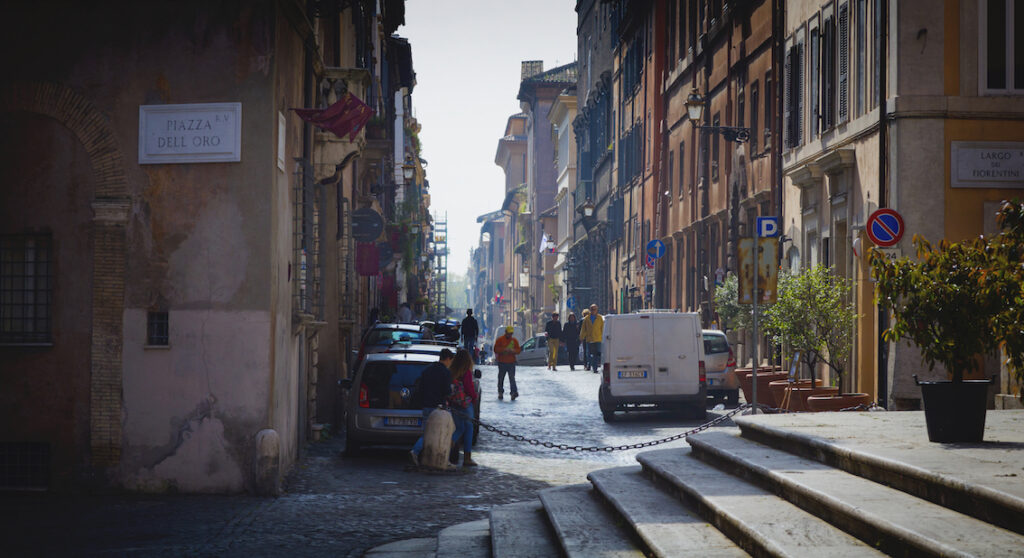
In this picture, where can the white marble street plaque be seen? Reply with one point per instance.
(195, 133)
(987, 164)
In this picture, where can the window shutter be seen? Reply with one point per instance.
(828, 75)
(798, 92)
(788, 100)
(844, 62)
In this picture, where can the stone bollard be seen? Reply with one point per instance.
(437, 440)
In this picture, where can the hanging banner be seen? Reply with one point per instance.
(767, 268)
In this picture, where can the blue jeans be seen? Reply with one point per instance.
(594, 352)
(510, 369)
(418, 446)
(464, 427)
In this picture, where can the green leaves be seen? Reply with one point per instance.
(961, 299)
(814, 315)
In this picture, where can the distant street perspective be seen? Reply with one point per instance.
(510, 279)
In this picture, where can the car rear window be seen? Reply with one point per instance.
(393, 385)
(390, 336)
(715, 344)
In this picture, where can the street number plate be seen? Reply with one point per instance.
(401, 421)
(632, 373)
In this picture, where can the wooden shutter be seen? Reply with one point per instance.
(844, 62)
(798, 92)
(788, 100)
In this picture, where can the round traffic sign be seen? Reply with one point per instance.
(656, 248)
(885, 227)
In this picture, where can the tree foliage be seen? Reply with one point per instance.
(960, 299)
(731, 314)
(814, 315)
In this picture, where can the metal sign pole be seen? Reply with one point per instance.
(757, 271)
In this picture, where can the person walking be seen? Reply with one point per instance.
(594, 325)
(470, 331)
(435, 385)
(584, 330)
(571, 338)
(462, 401)
(405, 314)
(553, 329)
(506, 348)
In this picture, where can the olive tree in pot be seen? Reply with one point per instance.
(956, 302)
(814, 315)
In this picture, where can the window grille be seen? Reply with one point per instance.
(157, 329)
(26, 289)
(306, 270)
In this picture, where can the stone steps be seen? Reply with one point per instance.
(774, 487)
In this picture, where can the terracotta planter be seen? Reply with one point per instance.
(778, 388)
(798, 395)
(837, 402)
(765, 376)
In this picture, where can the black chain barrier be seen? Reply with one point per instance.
(566, 447)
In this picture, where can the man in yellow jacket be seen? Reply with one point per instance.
(592, 333)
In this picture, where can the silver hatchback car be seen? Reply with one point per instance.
(383, 405)
(720, 362)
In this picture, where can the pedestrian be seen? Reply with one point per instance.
(594, 326)
(470, 330)
(571, 338)
(584, 329)
(506, 348)
(435, 385)
(462, 400)
(404, 314)
(553, 329)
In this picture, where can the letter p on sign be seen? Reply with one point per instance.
(767, 227)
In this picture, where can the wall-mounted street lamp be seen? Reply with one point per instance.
(695, 105)
(414, 228)
(409, 169)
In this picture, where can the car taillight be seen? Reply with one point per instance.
(732, 358)
(364, 396)
(703, 375)
(606, 373)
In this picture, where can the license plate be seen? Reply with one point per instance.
(632, 373)
(402, 421)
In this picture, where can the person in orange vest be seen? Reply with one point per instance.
(506, 348)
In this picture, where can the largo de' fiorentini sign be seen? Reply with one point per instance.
(987, 164)
(195, 133)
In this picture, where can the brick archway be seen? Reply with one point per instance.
(111, 205)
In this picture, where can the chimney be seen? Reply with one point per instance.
(531, 68)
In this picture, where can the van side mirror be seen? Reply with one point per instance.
(478, 374)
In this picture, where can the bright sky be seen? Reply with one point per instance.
(467, 54)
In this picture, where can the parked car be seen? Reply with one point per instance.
(535, 352)
(653, 360)
(383, 405)
(380, 336)
(720, 362)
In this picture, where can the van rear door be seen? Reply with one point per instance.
(677, 344)
(629, 355)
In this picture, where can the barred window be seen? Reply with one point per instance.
(26, 288)
(157, 329)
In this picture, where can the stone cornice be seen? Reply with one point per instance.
(806, 176)
(837, 161)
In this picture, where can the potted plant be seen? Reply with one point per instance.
(957, 302)
(814, 316)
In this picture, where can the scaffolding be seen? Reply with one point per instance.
(439, 291)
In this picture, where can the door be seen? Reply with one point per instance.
(628, 348)
(677, 342)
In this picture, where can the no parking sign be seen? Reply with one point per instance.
(885, 227)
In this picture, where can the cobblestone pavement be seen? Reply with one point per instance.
(339, 506)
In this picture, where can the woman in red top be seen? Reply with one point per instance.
(462, 400)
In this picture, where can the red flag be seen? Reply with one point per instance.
(347, 116)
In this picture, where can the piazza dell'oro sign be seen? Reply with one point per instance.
(193, 133)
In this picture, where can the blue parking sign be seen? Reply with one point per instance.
(767, 227)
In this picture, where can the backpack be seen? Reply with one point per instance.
(459, 399)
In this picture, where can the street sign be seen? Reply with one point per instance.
(655, 249)
(885, 227)
(767, 227)
(650, 261)
(570, 302)
(367, 225)
(767, 269)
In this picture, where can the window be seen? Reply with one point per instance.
(694, 18)
(157, 329)
(876, 44)
(671, 40)
(828, 73)
(862, 54)
(741, 109)
(793, 102)
(814, 67)
(26, 289)
(716, 121)
(754, 107)
(682, 167)
(671, 171)
(844, 62)
(769, 108)
(1002, 55)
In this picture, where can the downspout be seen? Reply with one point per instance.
(883, 190)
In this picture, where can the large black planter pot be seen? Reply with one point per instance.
(955, 411)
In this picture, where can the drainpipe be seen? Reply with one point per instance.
(883, 190)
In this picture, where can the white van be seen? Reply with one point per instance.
(653, 360)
